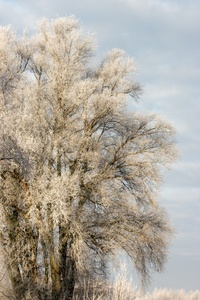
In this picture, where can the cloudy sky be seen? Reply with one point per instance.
(164, 38)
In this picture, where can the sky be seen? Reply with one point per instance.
(164, 39)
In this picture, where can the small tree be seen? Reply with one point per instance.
(79, 173)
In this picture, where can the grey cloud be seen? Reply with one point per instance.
(185, 174)
(179, 269)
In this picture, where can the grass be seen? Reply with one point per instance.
(120, 289)
(124, 291)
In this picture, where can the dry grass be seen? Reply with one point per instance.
(169, 294)
(119, 289)
(124, 291)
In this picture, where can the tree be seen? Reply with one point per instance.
(79, 173)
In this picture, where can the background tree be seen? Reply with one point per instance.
(79, 173)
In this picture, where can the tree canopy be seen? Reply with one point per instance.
(79, 172)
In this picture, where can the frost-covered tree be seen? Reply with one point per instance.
(79, 173)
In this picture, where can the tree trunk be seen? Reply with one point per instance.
(69, 279)
(68, 265)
